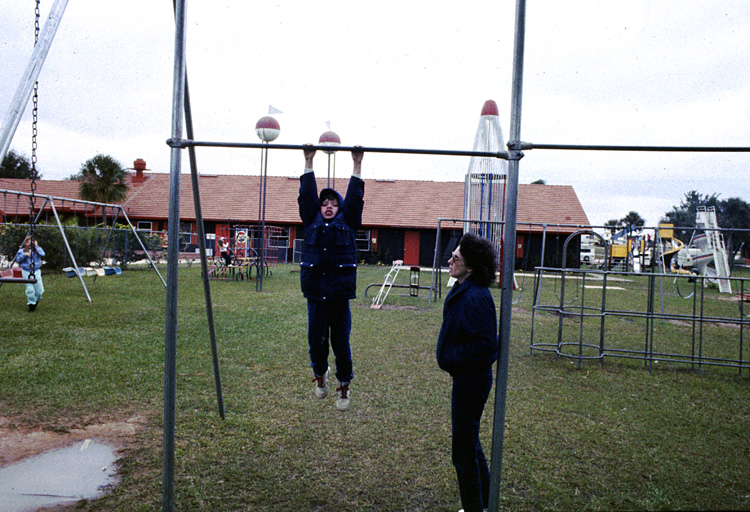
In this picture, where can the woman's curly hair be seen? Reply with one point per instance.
(479, 255)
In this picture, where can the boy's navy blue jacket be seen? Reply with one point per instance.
(467, 343)
(329, 254)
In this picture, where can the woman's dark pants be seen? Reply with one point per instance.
(470, 393)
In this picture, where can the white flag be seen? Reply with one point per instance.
(273, 110)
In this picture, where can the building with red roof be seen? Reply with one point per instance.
(400, 218)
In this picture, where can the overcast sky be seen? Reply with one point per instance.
(403, 74)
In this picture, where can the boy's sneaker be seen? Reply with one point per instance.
(321, 388)
(342, 402)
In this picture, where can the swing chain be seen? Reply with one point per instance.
(35, 109)
(34, 115)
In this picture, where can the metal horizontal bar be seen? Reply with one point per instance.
(59, 199)
(471, 221)
(185, 143)
(586, 147)
(702, 360)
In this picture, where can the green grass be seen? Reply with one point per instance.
(611, 437)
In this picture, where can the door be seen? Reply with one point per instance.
(411, 248)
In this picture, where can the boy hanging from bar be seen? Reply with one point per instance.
(328, 273)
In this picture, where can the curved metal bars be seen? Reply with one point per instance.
(677, 287)
(581, 314)
(585, 232)
(186, 143)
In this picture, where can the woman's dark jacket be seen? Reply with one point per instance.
(467, 343)
(329, 254)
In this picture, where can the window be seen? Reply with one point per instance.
(362, 239)
(187, 236)
(144, 225)
(278, 238)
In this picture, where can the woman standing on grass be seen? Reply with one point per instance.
(466, 348)
(31, 252)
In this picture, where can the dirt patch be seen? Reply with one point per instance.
(17, 443)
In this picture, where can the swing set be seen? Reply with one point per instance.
(48, 205)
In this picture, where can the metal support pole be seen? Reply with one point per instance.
(262, 218)
(695, 306)
(509, 244)
(650, 322)
(604, 315)
(67, 246)
(170, 343)
(436, 268)
(202, 250)
(742, 323)
(29, 77)
(140, 242)
(541, 260)
(263, 247)
(331, 175)
(700, 328)
(583, 316)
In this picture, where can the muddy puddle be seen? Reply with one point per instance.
(60, 476)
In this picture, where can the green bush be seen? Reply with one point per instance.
(125, 248)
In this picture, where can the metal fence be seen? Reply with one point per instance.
(585, 314)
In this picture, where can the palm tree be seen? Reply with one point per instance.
(612, 224)
(103, 180)
(633, 219)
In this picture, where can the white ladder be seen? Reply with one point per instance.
(379, 299)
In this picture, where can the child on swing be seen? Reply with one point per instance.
(31, 252)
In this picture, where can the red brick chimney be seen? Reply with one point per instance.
(139, 165)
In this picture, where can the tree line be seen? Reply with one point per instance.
(102, 178)
(731, 214)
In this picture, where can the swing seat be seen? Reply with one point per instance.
(14, 275)
(95, 272)
(112, 271)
